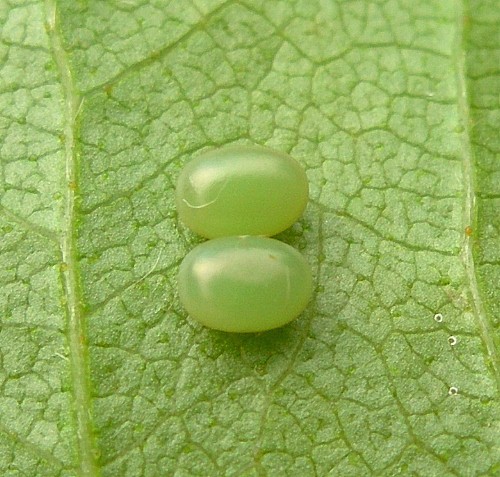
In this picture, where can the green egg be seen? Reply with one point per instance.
(244, 284)
(241, 190)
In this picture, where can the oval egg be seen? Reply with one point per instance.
(241, 190)
(244, 284)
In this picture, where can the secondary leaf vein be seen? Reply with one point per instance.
(76, 335)
(470, 212)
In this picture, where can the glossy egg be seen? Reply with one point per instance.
(241, 190)
(244, 284)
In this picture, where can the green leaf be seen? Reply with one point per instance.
(393, 109)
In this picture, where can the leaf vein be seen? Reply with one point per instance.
(76, 335)
(469, 207)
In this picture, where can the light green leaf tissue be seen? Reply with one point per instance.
(391, 106)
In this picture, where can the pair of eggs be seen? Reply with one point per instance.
(241, 280)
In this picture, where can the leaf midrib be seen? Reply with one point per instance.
(75, 318)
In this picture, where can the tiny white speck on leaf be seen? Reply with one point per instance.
(453, 391)
(438, 317)
(452, 340)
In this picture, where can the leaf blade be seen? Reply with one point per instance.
(366, 97)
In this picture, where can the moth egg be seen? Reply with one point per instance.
(241, 190)
(244, 284)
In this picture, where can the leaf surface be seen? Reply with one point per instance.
(392, 108)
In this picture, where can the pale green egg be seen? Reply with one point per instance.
(241, 190)
(244, 284)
